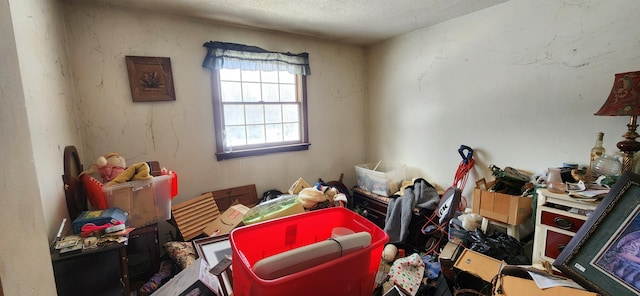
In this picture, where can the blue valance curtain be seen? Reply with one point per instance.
(224, 55)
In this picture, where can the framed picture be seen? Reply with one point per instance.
(604, 255)
(217, 252)
(150, 79)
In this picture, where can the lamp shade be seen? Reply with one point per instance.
(624, 99)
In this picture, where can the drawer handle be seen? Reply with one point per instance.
(562, 223)
(561, 247)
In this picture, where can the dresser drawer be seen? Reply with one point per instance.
(558, 218)
(555, 243)
(376, 217)
(371, 204)
(561, 221)
(373, 209)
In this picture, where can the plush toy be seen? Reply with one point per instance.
(310, 196)
(110, 166)
(470, 221)
(135, 172)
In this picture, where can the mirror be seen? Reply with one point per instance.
(73, 189)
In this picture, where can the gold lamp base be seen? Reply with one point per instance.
(629, 146)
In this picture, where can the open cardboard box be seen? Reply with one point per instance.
(226, 222)
(475, 271)
(505, 208)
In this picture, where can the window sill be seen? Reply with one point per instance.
(261, 151)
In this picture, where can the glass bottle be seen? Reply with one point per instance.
(597, 150)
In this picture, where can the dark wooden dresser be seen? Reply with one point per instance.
(370, 205)
(114, 269)
(101, 271)
(109, 269)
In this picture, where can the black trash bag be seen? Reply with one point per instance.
(500, 246)
(269, 195)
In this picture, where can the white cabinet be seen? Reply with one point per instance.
(558, 218)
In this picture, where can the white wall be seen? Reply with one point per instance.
(179, 133)
(37, 123)
(518, 82)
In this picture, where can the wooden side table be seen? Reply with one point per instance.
(558, 218)
(143, 253)
(512, 230)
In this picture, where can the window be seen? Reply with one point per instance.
(259, 100)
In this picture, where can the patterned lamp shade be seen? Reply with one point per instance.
(624, 99)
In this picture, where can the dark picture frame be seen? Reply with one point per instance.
(150, 78)
(213, 249)
(597, 256)
(216, 251)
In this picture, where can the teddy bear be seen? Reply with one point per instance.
(110, 166)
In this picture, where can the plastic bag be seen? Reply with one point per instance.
(500, 246)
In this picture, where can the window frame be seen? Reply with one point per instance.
(218, 115)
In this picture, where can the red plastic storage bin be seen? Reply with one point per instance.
(352, 274)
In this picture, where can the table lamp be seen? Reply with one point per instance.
(624, 100)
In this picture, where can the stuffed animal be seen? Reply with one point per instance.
(470, 221)
(135, 172)
(110, 166)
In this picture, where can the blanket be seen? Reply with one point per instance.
(421, 195)
(135, 172)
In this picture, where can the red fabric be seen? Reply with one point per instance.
(90, 229)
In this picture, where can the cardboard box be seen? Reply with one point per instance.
(195, 277)
(505, 208)
(229, 220)
(475, 271)
(512, 285)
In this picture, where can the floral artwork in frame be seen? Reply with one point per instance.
(603, 256)
(150, 79)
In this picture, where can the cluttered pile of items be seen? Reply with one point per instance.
(127, 197)
(280, 244)
(118, 212)
(439, 246)
(92, 229)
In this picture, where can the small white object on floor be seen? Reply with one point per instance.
(389, 253)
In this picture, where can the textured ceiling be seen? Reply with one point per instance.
(361, 22)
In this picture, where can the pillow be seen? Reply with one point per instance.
(182, 253)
